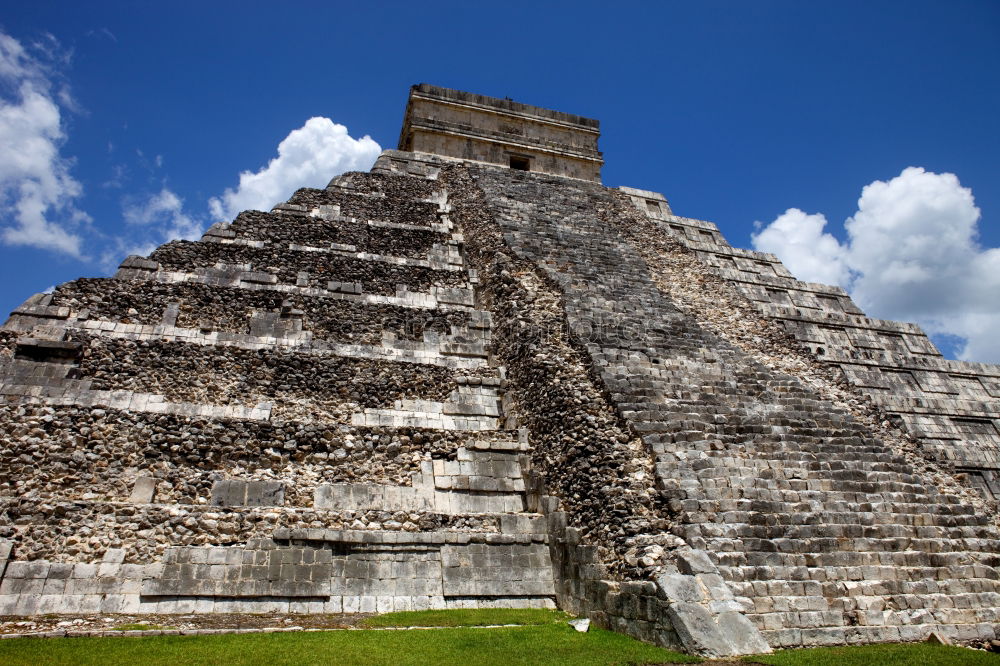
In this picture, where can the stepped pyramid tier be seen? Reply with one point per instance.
(476, 377)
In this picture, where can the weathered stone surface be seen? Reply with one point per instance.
(698, 630)
(740, 634)
(445, 384)
(691, 561)
(474, 127)
(143, 491)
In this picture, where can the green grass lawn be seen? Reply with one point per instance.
(893, 654)
(544, 639)
(540, 644)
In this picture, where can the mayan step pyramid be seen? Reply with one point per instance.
(476, 377)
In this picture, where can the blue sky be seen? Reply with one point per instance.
(736, 111)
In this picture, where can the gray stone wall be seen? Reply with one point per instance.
(760, 470)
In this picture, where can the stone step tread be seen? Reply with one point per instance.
(870, 592)
(850, 558)
(710, 523)
(848, 573)
(752, 482)
(802, 513)
(804, 447)
(824, 540)
(784, 539)
(902, 617)
(856, 635)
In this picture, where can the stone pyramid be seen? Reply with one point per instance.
(476, 377)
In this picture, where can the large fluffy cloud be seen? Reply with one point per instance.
(308, 157)
(911, 253)
(36, 189)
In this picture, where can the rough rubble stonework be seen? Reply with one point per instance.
(476, 377)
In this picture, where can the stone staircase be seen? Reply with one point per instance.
(821, 532)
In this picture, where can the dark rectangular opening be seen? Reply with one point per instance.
(779, 296)
(48, 351)
(520, 163)
(652, 206)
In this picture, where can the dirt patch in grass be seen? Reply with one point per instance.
(478, 617)
(11, 624)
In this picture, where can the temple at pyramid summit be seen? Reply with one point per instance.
(476, 377)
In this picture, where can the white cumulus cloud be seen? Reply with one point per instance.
(810, 253)
(308, 157)
(37, 190)
(912, 254)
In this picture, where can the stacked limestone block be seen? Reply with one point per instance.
(952, 407)
(295, 413)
